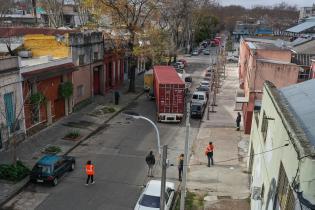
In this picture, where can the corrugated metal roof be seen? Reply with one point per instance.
(301, 99)
(302, 27)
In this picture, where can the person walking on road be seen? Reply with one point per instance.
(150, 159)
(89, 169)
(238, 121)
(180, 166)
(209, 153)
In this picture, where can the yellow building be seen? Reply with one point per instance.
(43, 45)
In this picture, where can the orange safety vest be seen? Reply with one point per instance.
(209, 148)
(89, 169)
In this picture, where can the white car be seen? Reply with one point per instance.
(180, 64)
(199, 97)
(150, 197)
(205, 83)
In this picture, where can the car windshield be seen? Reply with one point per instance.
(195, 108)
(204, 89)
(45, 169)
(204, 83)
(201, 97)
(150, 201)
(195, 97)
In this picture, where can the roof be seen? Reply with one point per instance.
(263, 31)
(49, 159)
(154, 187)
(4, 48)
(274, 62)
(309, 23)
(301, 100)
(167, 75)
(21, 31)
(266, 44)
(305, 48)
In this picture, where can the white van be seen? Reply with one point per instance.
(199, 97)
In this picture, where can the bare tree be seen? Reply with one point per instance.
(54, 11)
(131, 16)
(5, 8)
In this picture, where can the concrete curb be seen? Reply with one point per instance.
(98, 129)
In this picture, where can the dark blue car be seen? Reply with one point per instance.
(51, 168)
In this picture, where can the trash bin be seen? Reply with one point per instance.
(117, 95)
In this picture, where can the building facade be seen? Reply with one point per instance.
(11, 102)
(262, 60)
(282, 153)
(43, 79)
(88, 53)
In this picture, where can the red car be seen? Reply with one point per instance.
(184, 62)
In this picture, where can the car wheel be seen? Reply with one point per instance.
(55, 181)
(72, 166)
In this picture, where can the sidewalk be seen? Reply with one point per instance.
(87, 121)
(224, 185)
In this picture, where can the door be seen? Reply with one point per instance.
(9, 110)
(96, 81)
(59, 108)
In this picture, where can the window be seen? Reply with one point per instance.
(201, 97)
(95, 56)
(80, 91)
(264, 126)
(81, 59)
(285, 196)
(150, 201)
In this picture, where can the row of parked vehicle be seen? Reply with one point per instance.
(201, 95)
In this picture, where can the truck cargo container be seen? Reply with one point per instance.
(169, 91)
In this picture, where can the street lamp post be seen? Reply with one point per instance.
(138, 116)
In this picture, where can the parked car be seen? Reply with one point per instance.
(195, 52)
(180, 64)
(204, 89)
(150, 197)
(199, 97)
(51, 168)
(183, 61)
(206, 52)
(197, 109)
(233, 59)
(205, 83)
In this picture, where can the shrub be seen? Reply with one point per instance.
(66, 89)
(52, 149)
(37, 98)
(73, 134)
(108, 109)
(13, 172)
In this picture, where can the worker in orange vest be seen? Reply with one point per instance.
(89, 169)
(209, 153)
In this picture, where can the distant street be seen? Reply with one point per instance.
(118, 152)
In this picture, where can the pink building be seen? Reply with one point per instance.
(313, 69)
(262, 60)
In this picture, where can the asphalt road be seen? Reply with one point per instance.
(118, 152)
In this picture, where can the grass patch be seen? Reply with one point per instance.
(193, 201)
(73, 134)
(13, 172)
(52, 149)
(108, 109)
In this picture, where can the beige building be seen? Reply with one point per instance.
(11, 102)
(282, 152)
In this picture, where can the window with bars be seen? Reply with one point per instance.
(264, 126)
(285, 196)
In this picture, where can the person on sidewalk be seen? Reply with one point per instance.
(238, 121)
(180, 166)
(209, 153)
(150, 159)
(89, 169)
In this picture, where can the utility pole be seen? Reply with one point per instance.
(163, 181)
(183, 186)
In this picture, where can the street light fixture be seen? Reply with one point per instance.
(137, 116)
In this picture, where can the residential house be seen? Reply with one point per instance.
(43, 78)
(261, 60)
(306, 12)
(11, 102)
(312, 69)
(115, 63)
(282, 149)
(88, 53)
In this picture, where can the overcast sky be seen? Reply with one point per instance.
(250, 3)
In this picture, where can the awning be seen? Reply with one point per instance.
(49, 72)
(302, 27)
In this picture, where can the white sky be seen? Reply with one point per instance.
(250, 3)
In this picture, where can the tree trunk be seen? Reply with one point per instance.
(132, 64)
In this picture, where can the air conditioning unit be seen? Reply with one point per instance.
(25, 54)
(256, 193)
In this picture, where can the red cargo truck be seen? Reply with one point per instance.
(169, 91)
